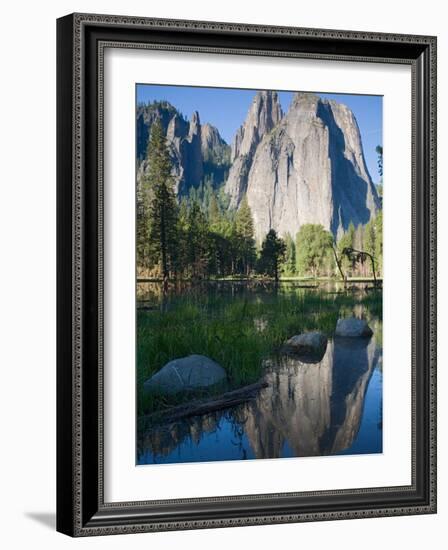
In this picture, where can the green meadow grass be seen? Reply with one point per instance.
(237, 332)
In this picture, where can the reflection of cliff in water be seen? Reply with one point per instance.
(294, 408)
(315, 409)
(307, 410)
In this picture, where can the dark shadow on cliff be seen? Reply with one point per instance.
(349, 189)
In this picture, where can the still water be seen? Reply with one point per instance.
(308, 409)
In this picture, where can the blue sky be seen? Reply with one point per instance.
(227, 108)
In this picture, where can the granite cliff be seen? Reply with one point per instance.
(264, 114)
(196, 150)
(304, 167)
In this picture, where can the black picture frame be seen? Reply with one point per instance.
(81, 510)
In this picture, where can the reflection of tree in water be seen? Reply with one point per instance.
(312, 409)
(162, 440)
(238, 430)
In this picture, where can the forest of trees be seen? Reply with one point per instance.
(201, 238)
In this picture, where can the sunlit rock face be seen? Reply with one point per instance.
(264, 114)
(305, 167)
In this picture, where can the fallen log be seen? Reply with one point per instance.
(199, 407)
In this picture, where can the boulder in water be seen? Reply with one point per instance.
(352, 327)
(185, 374)
(308, 345)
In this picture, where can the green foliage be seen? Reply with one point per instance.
(378, 228)
(347, 241)
(182, 237)
(365, 238)
(210, 186)
(289, 263)
(197, 242)
(142, 242)
(218, 156)
(370, 237)
(314, 250)
(203, 238)
(227, 330)
(273, 251)
(245, 240)
(214, 213)
(157, 234)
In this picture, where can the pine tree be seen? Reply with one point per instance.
(289, 265)
(272, 253)
(214, 214)
(379, 242)
(163, 210)
(369, 237)
(198, 241)
(244, 226)
(142, 242)
(182, 236)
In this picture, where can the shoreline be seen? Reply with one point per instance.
(262, 280)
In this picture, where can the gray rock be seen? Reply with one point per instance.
(192, 151)
(190, 145)
(212, 143)
(353, 328)
(185, 374)
(305, 167)
(264, 114)
(308, 344)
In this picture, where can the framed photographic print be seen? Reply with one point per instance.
(246, 274)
